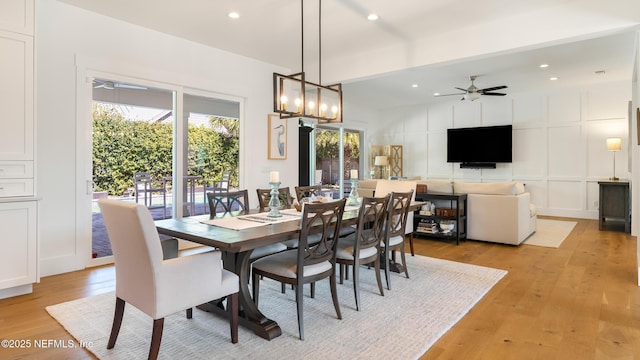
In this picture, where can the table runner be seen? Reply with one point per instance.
(261, 219)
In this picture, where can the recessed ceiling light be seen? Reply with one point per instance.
(234, 15)
(372, 17)
(553, 78)
(414, 85)
(542, 66)
(436, 94)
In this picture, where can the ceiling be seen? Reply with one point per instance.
(436, 44)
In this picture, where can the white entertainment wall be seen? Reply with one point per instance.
(559, 142)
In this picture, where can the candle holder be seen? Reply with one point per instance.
(353, 195)
(274, 202)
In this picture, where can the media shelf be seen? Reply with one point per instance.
(450, 212)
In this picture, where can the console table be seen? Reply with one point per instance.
(614, 204)
(431, 225)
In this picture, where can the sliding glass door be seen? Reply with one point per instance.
(143, 153)
(337, 152)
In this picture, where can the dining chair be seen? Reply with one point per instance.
(308, 263)
(233, 202)
(384, 187)
(394, 237)
(144, 185)
(316, 190)
(264, 196)
(363, 247)
(308, 191)
(151, 284)
(236, 203)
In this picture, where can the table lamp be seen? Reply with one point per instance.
(614, 145)
(381, 161)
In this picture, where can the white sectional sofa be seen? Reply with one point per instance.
(499, 212)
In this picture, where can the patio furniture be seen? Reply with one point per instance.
(143, 184)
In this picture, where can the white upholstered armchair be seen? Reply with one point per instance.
(160, 287)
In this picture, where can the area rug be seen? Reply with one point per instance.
(402, 324)
(550, 233)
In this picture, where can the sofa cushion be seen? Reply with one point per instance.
(437, 186)
(492, 188)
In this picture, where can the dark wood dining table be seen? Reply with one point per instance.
(236, 247)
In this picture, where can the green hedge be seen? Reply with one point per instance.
(122, 147)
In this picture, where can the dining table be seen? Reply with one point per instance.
(236, 245)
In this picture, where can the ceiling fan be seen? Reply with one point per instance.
(473, 93)
(110, 85)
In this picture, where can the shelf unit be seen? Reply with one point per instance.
(453, 204)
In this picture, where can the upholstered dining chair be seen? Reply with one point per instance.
(394, 237)
(160, 287)
(308, 263)
(264, 196)
(363, 247)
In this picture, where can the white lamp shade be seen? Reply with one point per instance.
(380, 161)
(614, 144)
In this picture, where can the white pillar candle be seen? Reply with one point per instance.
(274, 176)
(354, 174)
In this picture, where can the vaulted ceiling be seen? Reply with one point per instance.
(435, 44)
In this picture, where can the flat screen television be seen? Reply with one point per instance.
(479, 147)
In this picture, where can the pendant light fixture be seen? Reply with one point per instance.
(294, 96)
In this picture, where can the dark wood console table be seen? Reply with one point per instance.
(432, 225)
(614, 204)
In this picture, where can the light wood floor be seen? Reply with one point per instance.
(580, 301)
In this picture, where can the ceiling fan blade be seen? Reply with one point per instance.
(450, 94)
(461, 89)
(129, 86)
(493, 88)
(494, 94)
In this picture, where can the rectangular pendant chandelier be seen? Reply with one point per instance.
(295, 97)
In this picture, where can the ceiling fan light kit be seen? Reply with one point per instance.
(294, 96)
(473, 92)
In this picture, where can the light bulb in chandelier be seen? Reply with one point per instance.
(311, 106)
(298, 102)
(323, 110)
(283, 102)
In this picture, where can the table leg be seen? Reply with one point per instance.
(250, 315)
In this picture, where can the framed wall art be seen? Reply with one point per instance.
(277, 141)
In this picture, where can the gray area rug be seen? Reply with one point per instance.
(403, 324)
(550, 233)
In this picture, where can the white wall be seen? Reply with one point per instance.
(66, 36)
(559, 148)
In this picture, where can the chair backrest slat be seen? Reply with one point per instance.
(371, 220)
(397, 213)
(234, 202)
(323, 218)
(264, 196)
(308, 191)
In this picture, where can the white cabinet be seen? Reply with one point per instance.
(16, 96)
(18, 241)
(18, 204)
